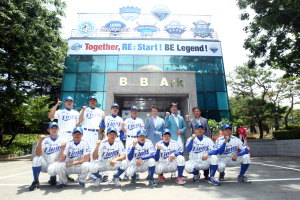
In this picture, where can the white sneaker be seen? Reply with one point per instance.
(97, 182)
(117, 182)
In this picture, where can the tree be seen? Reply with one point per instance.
(32, 55)
(274, 33)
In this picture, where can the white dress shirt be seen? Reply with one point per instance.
(176, 119)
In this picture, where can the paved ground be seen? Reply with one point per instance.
(272, 178)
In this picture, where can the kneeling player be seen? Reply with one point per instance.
(74, 159)
(227, 148)
(46, 158)
(109, 155)
(202, 155)
(141, 156)
(169, 157)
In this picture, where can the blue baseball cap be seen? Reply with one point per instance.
(112, 129)
(199, 124)
(226, 126)
(53, 124)
(93, 97)
(141, 132)
(78, 129)
(69, 98)
(114, 105)
(166, 131)
(134, 107)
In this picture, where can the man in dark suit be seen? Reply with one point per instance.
(190, 124)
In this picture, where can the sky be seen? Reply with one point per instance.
(225, 20)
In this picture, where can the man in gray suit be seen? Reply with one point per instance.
(190, 124)
(155, 126)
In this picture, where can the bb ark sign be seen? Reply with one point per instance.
(144, 82)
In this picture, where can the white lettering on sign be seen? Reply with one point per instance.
(123, 81)
(144, 82)
(164, 82)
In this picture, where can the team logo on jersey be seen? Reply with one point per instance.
(200, 149)
(130, 13)
(92, 115)
(52, 150)
(86, 28)
(175, 29)
(160, 11)
(107, 155)
(230, 150)
(47, 142)
(76, 46)
(146, 29)
(166, 155)
(141, 154)
(114, 124)
(202, 29)
(115, 27)
(75, 154)
(69, 117)
(134, 126)
(213, 48)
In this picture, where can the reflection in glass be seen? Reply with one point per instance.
(111, 63)
(71, 64)
(199, 82)
(81, 99)
(201, 101)
(211, 101)
(69, 82)
(220, 82)
(98, 64)
(97, 82)
(222, 101)
(85, 63)
(83, 82)
(209, 84)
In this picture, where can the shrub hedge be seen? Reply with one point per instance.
(286, 135)
(291, 126)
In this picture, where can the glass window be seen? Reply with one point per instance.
(209, 84)
(136, 67)
(99, 96)
(72, 64)
(200, 99)
(125, 59)
(220, 82)
(81, 99)
(207, 65)
(199, 82)
(175, 67)
(167, 67)
(210, 101)
(97, 82)
(168, 60)
(224, 115)
(195, 63)
(125, 67)
(213, 115)
(218, 66)
(85, 63)
(184, 63)
(69, 82)
(83, 82)
(222, 101)
(63, 96)
(141, 60)
(154, 60)
(111, 63)
(98, 64)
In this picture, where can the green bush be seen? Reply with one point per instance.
(286, 135)
(291, 126)
(22, 143)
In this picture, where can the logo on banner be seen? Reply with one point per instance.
(130, 13)
(76, 46)
(213, 48)
(146, 29)
(114, 27)
(202, 29)
(175, 29)
(160, 11)
(86, 28)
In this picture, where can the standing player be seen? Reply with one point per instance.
(67, 118)
(169, 157)
(74, 159)
(109, 155)
(227, 148)
(112, 121)
(131, 126)
(46, 159)
(202, 155)
(141, 154)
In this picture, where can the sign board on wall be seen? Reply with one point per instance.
(144, 47)
(143, 115)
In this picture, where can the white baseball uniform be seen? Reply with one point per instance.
(225, 159)
(67, 120)
(74, 152)
(140, 151)
(164, 165)
(107, 152)
(90, 125)
(50, 151)
(132, 126)
(111, 121)
(199, 148)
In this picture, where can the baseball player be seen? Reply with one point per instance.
(202, 155)
(74, 159)
(109, 155)
(141, 156)
(131, 126)
(227, 154)
(169, 157)
(67, 118)
(46, 159)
